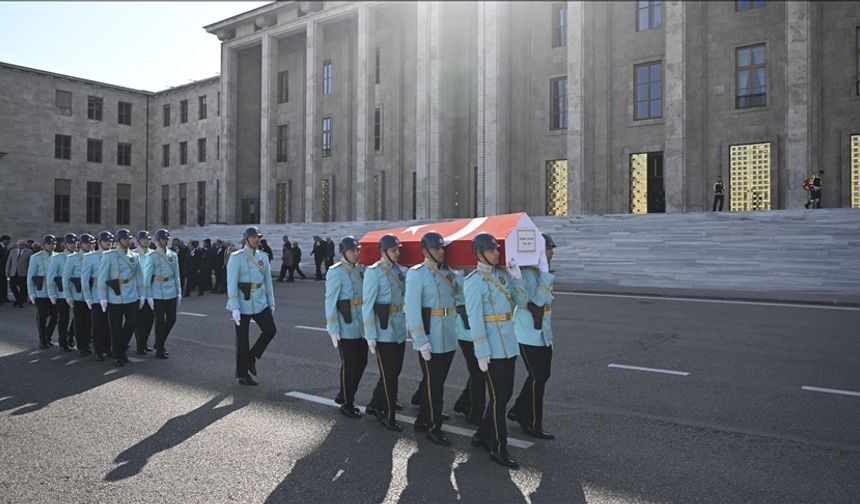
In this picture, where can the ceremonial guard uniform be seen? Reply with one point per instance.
(250, 296)
(343, 291)
(161, 276)
(73, 290)
(37, 288)
(491, 296)
(431, 318)
(56, 292)
(120, 284)
(473, 399)
(385, 327)
(533, 328)
(92, 297)
(145, 317)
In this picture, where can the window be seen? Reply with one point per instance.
(283, 86)
(165, 205)
(326, 77)
(326, 137)
(201, 150)
(201, 107)
(218, 147)
(165, 115)
(649, 15)
(282, 143)
(95, 107)
(183, 153)
(648, 84)
(62, 147)
(378, 67)
(94, 202)
(165, 155)
(62, 196)
(123, 204)
(751, 86)
(745, 5)
(183, 204)
(377, 129)
(123, 154)
(94, 150)
(124, 113)
(63, 101)
(183, 111)
(558, 103)
(559, 25)
(857, 60)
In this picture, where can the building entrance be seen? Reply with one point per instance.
(647, 194)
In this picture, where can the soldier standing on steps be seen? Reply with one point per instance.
(719, 194)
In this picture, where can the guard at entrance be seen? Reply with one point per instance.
(121, 292)
(161, 275)
(145, 317)
(815, 190)
(74, 294)
(37, 288)
(719, 194)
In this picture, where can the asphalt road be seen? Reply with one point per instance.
(727, 419)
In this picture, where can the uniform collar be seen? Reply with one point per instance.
(344, 262)
(485, 267)
(246, 249)
(430, 263)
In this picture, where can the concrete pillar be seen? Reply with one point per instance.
(227, 166)
(490, 196)
(797, 110)
(363, 56)
(674, 155)
(310, 119)
(575, 111)
(427, 113)
(267, 63)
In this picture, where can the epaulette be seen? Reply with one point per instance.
(374, 265)
(236, 252)
(472, 273)
(417, 266)
(37, 253)
(335, 265)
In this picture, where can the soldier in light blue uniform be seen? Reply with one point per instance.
(343, 291)
(145, 316)
(161, 276)
(121, 292)
(73, 289)
(385, 327)
(56, 292)
(431, 319)
(250, 296)
(89, 279)
(534, 334)
(473, 399)
(492, 294)
(37, 288)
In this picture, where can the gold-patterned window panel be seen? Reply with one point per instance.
(379, 196)
(855, 171)
(556, 187)
(281, 203)
(749, 182)
(326, 200)
(639, 183)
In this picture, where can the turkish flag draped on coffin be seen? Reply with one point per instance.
(517, 235)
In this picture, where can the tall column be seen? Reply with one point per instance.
(267, 62)
(575, 111)
(797, 110)
(427, 113)
(674, 155)
(490, 196)
(361, 186)
(310, 118)
(227, 166)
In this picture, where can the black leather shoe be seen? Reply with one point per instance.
(100, 356)
(338, 399)
(477, 442)
(44, 346)
(438, 438)
(512, 416)
(252, 366)
(160, 355)
(246, 380)
(444, 416)
(147, 348)
(416, 399)
(419, 426)
(504, 459)
(391, 425)
(475, 421)
(538, 433)
(398, 406)
(350, 411)
(65, 349)
(141, 351)
(459, 408)
(84, 352)
(124, 357)
(118, 362)
(373, 411)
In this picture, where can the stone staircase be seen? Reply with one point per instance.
(814, 252)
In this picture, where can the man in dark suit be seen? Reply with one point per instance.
(181, 253)
(320, 253)
(220, 265)
(16, 270)
(4, 256)
(193, 264)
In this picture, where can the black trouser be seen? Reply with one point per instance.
(814, 198)
(123, 320)
(101, 329)
(4, 285)
(318, 262)
(435, 372)
(165, 317)
(500, 384)
(529, 405)
(220, 277)
(718, 198)
(145, 319)
(83, 325)
(19, 289)
(353, 360)
(266, 323)
(473, 399)
(63, 309)
(46, 319)
(284, 268)
(202, 281)
(294, 269)
(192, 279)
(389, 358)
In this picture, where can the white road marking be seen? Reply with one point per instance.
(135, 359)
(309, 328)
(722, 301)
(831, 391)
(192, 314)
(651, 370)
(519, 443)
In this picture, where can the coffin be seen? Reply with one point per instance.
(517, 235)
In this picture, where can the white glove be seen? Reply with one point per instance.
(237, 317)
(70, 302)
(151, 303)
(89, 304)
(273, 309)
(484, 364)
(425, 351)
(334, 339)
(543, 264)
(53, 299)
(103, 302)
(178, 300)
(33, 299)
(371, 345)
(140, 302)
(514, 270)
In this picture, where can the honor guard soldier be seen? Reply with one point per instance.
(533, 328)
(491, 296)
(343, 291)
(473, 399)
(37, 288)
(145, 316)
(74, 294)
(56, 292)
(385, 327)
(89, 280)
(250, 296)
(120, 284)
(161, 276)
(431, 318)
